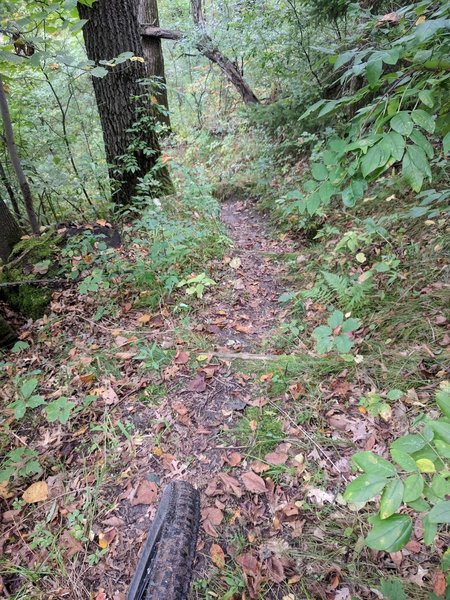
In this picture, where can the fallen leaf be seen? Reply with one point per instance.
(319, 497)
(297, 390)
(235, 262)
(234, 459)
(231, 484)
(276, 458)
(144, 319)
(439, 583)
(147, 492)
(69, 545)
(217, 556)
(211, 516)
(4, 490)
(253, 482)
(114, 522)
(105, 539)
(181, 357)
(197, 385)
(391, 18)
(274, 569)
(37, 492)
(243, 328)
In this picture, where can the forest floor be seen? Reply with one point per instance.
(266, 436)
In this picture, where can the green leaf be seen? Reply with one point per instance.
(19, 346)
(442, 429)
(409, 443)
(396, 144)
(419, 505)
(313, 203)
(323, 331)
(99, 72)
(426, 97)
(440, 513)
(59, 410)
(404, 460)
(319, 171)
(335, 319)
(327, 190)
(395, 394)
(343, 343)
(415, 166)
(369, 462)
(402, 123)
(392, 589)
(389, 534)
(374, 68)
(351, 325)
(418, 138)
(376, 157)
(446, 143)
(443, 401)
(365, 487)
(423, 119)
(443, 449)
(440, 486)
(391, 500)
(28, 387)
(429, 530)
(324, 344)
(414, 485)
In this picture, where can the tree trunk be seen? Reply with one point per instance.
(9, 189)
(7, 335)
(15, 160)
(205, 46)
(153, 54)
(10, 232)
(112, 28)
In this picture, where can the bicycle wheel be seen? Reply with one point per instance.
(165, 568)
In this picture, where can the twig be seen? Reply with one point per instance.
(31, 282)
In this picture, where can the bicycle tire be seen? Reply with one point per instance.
(165, 568)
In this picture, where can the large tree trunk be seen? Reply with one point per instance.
(10, 232)
(112, 28)
(9, 189)
(15, 160)
(153, 54)
(7, 335)
(205, 46)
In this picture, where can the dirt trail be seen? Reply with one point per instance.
(237, 315)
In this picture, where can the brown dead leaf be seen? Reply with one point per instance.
(253, 482)
(217, 556)
(146, 493)
(259, 467)
(4, 490)
(125, 355)
(234, 459)
(55, 486)
(274, 569)
(197, 385)
(113, 522)
(297, 390)
(181, 357)
(37, 492)
(211, 516)
(243, 328)
(87, 378)
(276, 458)
(10, 515)
(105, 539)
(391, 18)
(144, 319)
(69, 545)
(231, 484)
(439, 583)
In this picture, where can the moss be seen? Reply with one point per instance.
(30, 300)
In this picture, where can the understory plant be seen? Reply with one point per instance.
(413, 484)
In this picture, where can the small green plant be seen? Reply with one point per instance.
(20, 462)
(377, 405)
(336, 334)
(152, 356)
(59, 410)
(195, 286)
(26, 398)
(19, 347)
(419, 479)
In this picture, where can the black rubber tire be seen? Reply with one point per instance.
(165, 568)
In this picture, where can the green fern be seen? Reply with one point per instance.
(332, 287)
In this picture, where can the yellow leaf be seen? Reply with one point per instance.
(144, 319)
(37, 492)
(4, 491)
(153, 99)
(157, 451)
(421, 19)
(202, 357)
(217, 556)
(137, 58)
(102, 542)
(425, 465)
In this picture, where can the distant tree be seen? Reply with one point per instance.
(111, 29)
(153, 54)
(15, 160)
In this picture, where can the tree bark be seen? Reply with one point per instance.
(205, 46)
(7, 335)
(112, 28)
(154, 58)
(9, 189)
(15, 160)
(10, 232)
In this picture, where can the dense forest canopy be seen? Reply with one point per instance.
(224, 254)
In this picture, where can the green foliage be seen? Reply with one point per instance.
(348, 292)
(418, 477)
(19, 462)
(26, 398)
(195, 285)
(336, 334)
